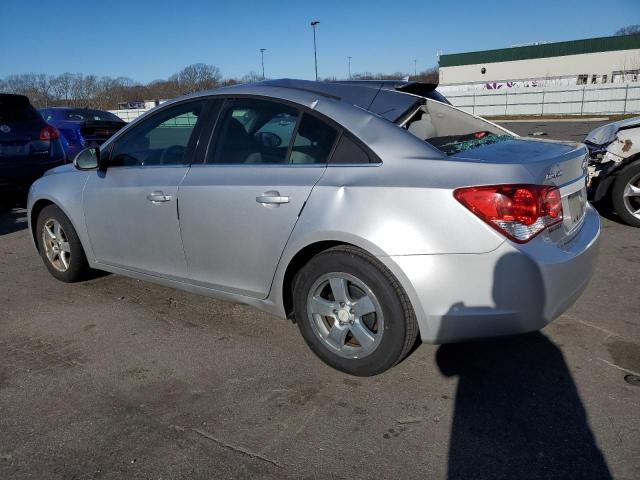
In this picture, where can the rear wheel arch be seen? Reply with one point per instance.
(296, 263)
(375, 280)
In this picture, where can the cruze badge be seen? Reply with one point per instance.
(552, 175)
(5, 128)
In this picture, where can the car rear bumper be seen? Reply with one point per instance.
(513, 289)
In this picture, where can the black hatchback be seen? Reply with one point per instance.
(29, 146)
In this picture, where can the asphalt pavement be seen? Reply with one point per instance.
(114, 378)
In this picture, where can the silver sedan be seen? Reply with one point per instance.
(370, 214)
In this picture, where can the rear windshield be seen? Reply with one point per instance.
(83, 114)
(16, 109)
(454, 144)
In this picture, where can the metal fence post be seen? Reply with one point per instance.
(582, 101)
(626, 95)
(506, 102)
(542, 105)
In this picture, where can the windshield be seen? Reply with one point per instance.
(83, 114)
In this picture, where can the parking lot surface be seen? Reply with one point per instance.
(116, 378)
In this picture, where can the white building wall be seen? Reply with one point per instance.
(618, 98)
(600, 63)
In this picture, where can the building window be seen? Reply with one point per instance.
(604, 78)
(582, 79)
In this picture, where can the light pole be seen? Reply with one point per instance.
(262, 50)
(315, 55)
(349, 67)
(415, 68)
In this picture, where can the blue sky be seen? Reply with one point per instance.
(147, 40)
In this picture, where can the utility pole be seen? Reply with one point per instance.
(349, 67)
(262, 50)
(315, 54)
(415, 68)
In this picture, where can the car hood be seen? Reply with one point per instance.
(607, 133)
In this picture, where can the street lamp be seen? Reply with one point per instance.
(262, 50)
(315, 55)
(349, 67)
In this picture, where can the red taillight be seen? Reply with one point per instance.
(49, 133)
(518, 211)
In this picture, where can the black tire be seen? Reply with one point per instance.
(400, 327)
(623, 178)
(78, 268)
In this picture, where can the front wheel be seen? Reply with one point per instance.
(625, 194)
(59, 246)
(352, 312)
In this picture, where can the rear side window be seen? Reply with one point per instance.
(83, 114)
(349, 152)
(314, 141)
(254, 132)
(16, 109)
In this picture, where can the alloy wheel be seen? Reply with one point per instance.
(631, 196)
(345, 315)
(56, 245)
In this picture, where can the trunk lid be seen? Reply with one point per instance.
(547, 162)
(97, 131)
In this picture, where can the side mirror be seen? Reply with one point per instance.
(87, 159)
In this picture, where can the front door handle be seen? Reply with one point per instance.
(159, 197)
(272, 198)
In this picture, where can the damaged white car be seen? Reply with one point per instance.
(614, 167)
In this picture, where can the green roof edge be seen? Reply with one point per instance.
(557, 49)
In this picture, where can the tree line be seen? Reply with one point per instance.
(107, 93)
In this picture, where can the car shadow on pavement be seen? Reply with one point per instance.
(517, 410)
(12, 219)
(606, 211)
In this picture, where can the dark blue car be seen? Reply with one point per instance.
(82, 127)
(29, 146)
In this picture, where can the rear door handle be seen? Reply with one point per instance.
(159, 197)
(272, 198)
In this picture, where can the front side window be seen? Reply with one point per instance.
(254, 132)
(162, 139)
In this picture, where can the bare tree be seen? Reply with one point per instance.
(196, 77)
(76, 89)
(61, 86)
(628, 30)
(251, 77)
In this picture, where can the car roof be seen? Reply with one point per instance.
(377, 97)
